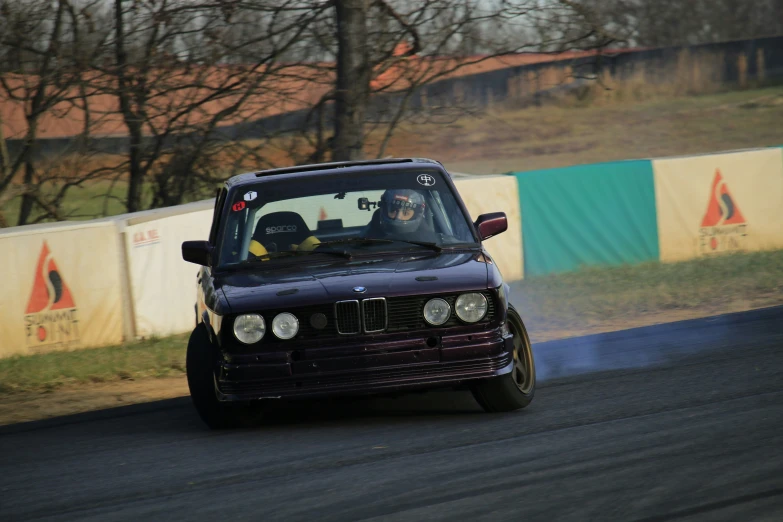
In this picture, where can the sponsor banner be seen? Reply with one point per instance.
(485, 194)
(162, 284)
(600, 214)
(719, 203)
(62, 289)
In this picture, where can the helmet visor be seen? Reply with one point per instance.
(401, 213)
(402, 207)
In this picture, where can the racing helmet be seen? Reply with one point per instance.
(402, 211)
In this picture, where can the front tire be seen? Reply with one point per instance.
(200, 364)
(514, 390)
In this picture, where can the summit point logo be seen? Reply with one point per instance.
(51, 314)
(723, 227)
(721, 209)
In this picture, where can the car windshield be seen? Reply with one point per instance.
(342, 214)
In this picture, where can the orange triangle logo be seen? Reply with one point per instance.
(49, 289)
(721, 209)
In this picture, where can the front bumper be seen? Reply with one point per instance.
(381, 366)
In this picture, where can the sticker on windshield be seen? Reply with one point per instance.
(250, 196)
(238, 206)
(426, 180)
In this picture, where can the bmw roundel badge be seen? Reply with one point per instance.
(359, 289)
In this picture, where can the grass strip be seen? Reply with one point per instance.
(586, 297)
(150, 358)
(594, 295)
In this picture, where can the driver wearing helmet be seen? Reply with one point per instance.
(402, 213)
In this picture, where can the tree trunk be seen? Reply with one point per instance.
(130, 116)
(27, 200)
(37, 106)
(353, 80)
(133, 202)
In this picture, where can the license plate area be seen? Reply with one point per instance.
(364, 362)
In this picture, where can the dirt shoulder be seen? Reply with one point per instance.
(653, 318)
(79, 398)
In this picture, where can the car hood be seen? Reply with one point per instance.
(309, 283)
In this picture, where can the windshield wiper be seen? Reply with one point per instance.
(354, 240)
(285, 253)
(433, 246)
(436, 247)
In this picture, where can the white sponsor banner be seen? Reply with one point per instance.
(62, 289)
(719, 203)
(485, 194)
(162, 284)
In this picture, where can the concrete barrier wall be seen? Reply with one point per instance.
(162, 285)
(486, 194)
(667, 209)
(719, 203)
(62, 288)
(587, 215)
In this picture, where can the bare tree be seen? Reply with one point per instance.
(180, 73)
(394, 48)
(39, 78)
(660, 23)
(184, 78)
(32, 38)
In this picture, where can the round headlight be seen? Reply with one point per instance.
(249, 328)
(437, 311)
(285, 325)
(471, 307)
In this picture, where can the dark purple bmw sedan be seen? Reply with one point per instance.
(351, 278)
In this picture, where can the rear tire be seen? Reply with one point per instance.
(514, 390)
(200, 365)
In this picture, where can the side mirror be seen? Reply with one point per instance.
(198, 252)
(492, 224)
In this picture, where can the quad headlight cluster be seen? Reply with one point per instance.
(250, 328)
(470, 308)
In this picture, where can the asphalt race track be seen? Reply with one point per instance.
(691, 430)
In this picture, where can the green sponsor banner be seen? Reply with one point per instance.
(587, 215)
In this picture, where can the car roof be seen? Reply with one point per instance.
(327, 168)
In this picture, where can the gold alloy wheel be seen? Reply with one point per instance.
(524, 371)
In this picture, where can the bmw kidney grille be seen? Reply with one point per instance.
(368, 315)
(347, 315)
